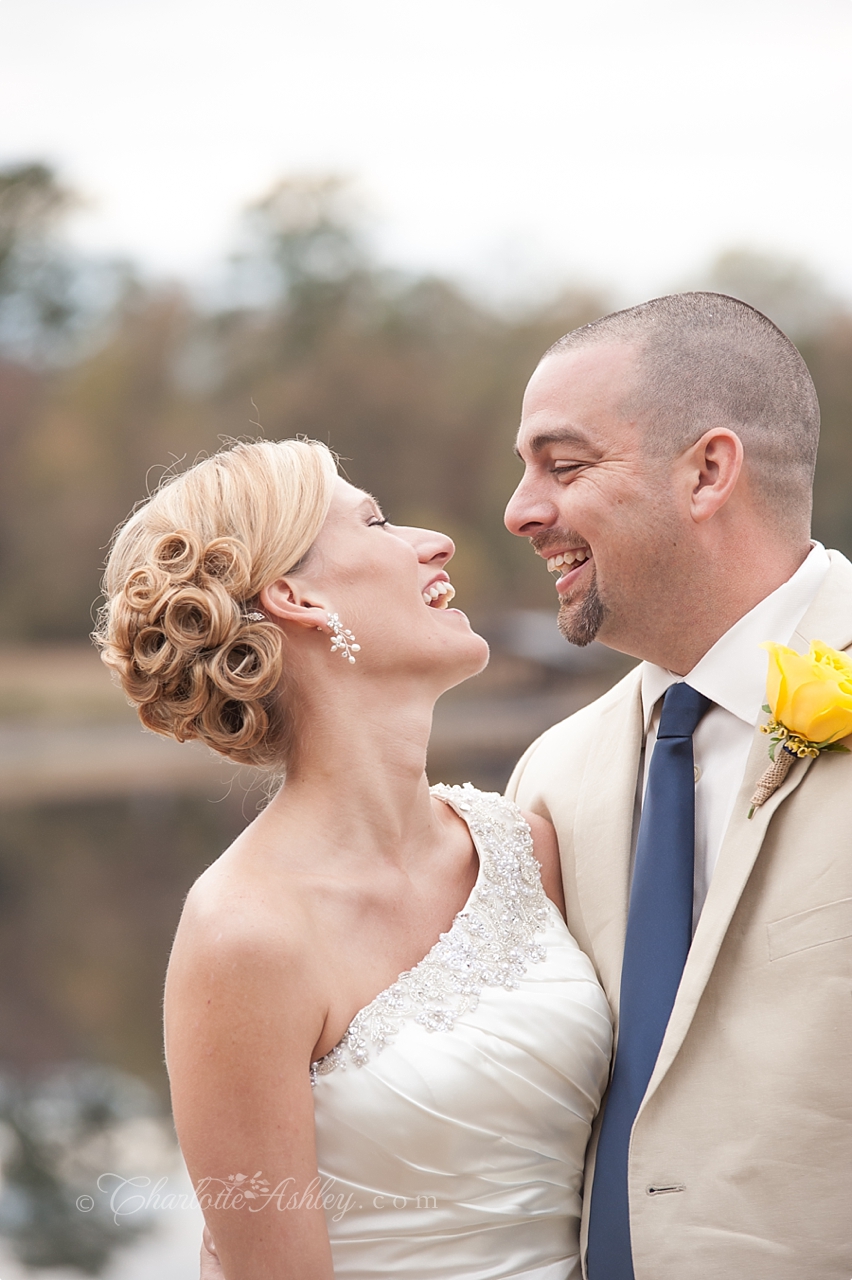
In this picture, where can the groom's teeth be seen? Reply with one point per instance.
(567, 558)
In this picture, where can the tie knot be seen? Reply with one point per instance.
(683, 707)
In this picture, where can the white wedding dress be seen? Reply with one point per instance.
(452, 1119)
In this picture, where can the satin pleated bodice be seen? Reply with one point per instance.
(453, 1117)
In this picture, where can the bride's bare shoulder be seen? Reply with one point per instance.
(244, 910)
(244, 945)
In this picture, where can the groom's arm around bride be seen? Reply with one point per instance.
(669, 455)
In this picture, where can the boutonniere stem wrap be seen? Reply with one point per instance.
(809, 699)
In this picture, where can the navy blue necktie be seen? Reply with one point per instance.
(659, 933)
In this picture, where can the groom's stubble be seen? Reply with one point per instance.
(580, 625)
(581, 614)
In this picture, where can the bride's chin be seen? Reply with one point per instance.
(484, 653)
(473, 658)
(454, 659)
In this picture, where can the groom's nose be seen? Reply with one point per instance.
(529, 512)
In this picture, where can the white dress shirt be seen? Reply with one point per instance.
(733, 676)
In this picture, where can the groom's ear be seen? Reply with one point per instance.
(714, 463)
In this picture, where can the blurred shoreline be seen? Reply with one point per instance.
(68, 734)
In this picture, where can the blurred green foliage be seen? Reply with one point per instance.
(416, 385)
(59, 1128)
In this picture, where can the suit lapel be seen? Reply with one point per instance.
(603, 829)
(829, 619)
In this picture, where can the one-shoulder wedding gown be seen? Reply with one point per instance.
(452, 1119)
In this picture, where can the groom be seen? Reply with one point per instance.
(669, 454)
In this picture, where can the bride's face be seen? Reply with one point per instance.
(390, 586)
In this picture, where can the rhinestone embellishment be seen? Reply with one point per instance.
(489, 944)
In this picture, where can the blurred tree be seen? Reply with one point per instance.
(801, 304)
(306, 228)
(786, 290)
(36, 282)
(87, 455)
(830, 361)
(51, 306)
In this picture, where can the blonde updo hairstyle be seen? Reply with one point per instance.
(182, 574)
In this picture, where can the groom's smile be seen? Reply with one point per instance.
(567, 565)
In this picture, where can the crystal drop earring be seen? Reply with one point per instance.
(342, 641)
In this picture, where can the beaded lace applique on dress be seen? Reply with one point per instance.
(489, 944)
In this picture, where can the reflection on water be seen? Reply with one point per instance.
(90, 895)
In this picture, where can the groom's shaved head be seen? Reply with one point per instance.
(707, 360)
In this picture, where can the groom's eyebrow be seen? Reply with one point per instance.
(545, 439)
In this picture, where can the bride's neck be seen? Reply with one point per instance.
(361, 765)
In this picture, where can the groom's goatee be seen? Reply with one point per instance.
(579, 624)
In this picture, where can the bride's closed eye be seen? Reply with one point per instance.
(378, 522)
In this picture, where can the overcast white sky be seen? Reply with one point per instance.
(612, 140)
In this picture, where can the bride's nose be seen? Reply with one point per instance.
(432, 547)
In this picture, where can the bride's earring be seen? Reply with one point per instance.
(342, 641)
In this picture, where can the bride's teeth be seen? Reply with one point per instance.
(443, 591)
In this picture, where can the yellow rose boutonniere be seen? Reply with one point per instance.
(809, 697)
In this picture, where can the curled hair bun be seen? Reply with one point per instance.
(181, 578)
(191, 661)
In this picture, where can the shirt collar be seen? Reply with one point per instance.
(733, 673)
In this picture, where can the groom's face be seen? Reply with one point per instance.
(591, 501)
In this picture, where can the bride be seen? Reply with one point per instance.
(385, 1049)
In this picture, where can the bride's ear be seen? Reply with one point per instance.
(287, 601)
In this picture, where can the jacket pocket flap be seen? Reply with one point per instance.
(810, 928)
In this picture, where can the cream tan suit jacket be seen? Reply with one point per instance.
(740, 1162)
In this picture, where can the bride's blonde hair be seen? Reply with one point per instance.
(183, 573)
